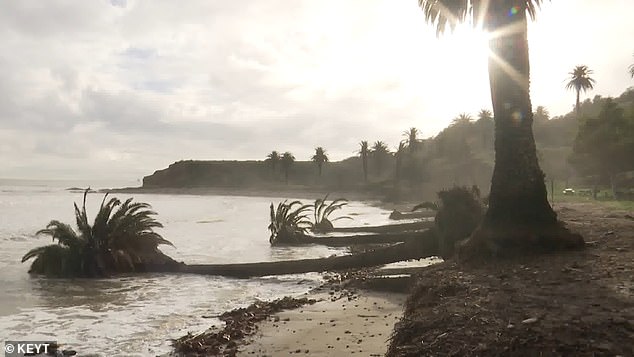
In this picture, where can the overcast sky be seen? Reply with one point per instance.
(119, 88)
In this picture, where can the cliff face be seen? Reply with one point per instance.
(207, 174)
(191, 173)
(339, 175)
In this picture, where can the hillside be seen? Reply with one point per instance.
(461, 154)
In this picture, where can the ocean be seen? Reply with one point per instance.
(139, 315)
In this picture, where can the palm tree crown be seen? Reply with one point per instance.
(541, 114)
(121, 239)
(273, 159)
(380, 148)
(462, 118)
(580, 81)
(632, 70)
(379, 152)
(485, 114)
(411, 136)
(320, 158)
(287, 161)
(448, 13)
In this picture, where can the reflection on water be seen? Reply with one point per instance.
(139, 314)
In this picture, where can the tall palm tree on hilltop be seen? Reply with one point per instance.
(485, 124)
(287, 161)
(364, 151)
(485, 114)
(399, 160)
(273, 159)
(320, 158)
(541, 114)
(411, 136)
(379, 152)
(462, 118)
(580, 81)
(519, 215)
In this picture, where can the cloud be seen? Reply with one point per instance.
(120, 88)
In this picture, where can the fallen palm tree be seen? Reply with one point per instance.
(121, 239)
(458, 212)
(322, 211)
(290, 225)
(425, 245)
(341, 241)
(398, 215)
(399, 227)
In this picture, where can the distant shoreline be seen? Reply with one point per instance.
(291, 192)
(300, 192)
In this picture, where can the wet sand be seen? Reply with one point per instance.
(352, 324)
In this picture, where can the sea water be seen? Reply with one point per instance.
(140, 314)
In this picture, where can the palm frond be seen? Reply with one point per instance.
(63, 233)
(341, 217)
(82, 219)
(36, 252)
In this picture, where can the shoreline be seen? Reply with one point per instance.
(350, 315)
(351, 312)
(291, 192)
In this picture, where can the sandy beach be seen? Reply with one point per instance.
(340, 324)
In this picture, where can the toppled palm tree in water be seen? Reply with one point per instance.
(121, 239)
(289, 222)
(322, 211)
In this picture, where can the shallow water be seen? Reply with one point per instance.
(139, 314)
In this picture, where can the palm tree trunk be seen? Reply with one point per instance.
(348, 240)
(519, 214)
(578, 104)
(365, 168)
(425, 246)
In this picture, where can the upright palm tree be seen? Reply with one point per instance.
(580, 80)
(273, 159)
(519, 215)
(632, 70)
(379, 153)
(541, 114)
(411, 136)
(364, 152)
(485, 114)
(399, 160)
(484, 124)
(462, 118)
(320, 158)
(287, 161)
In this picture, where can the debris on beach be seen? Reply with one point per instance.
(239, 323)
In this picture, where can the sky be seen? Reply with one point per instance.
(115, 89)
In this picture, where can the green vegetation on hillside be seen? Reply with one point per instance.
(461, 154)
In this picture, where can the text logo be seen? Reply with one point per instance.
(21, 348)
